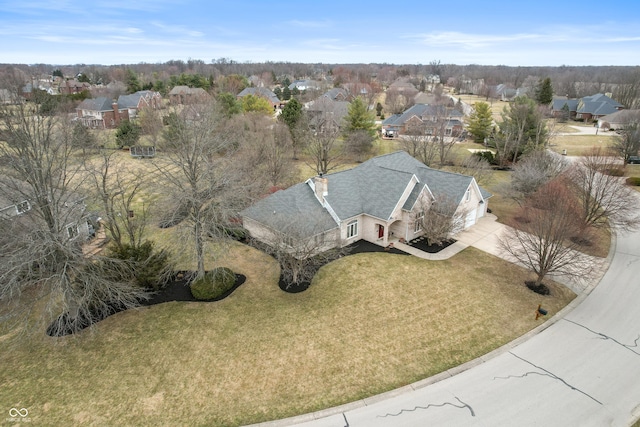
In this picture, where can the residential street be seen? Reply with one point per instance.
(583, 370)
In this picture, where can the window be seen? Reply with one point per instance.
(23, 207)
(417, 226)
(72, 230)
(467, 196)
(352, 229)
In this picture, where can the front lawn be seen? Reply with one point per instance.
(369, 323)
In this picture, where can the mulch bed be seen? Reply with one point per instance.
(540, 289)
(421, 244)
(177, 289)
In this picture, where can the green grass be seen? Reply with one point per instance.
(578, 145)
(369, 323)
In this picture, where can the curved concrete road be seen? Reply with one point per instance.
(582, 370)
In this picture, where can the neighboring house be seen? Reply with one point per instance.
(70, 87)
(305, 84)
(262, 92)
(17, 207)
(337, 94)
(104, 113)
(188, 95)
(325, 108)
(7, 97)
(403, 86)
(593, 107)
(427, 117)
(507, 94)
(589, 108)
(101, 112)
(619, 119)
(559, 103)
(139, 101)
(379, 201)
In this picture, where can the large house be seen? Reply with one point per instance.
(105, 113)
(327, 111)
(426, 118)
(188, 95)
(380, 201)
(17, 216)
(261, 92)
(588, 108)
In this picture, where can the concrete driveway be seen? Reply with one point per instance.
(581, 368)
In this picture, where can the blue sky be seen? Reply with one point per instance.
(462, 32)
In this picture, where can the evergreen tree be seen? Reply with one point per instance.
(286, 93)
(480, 122)
(133, 84)
(291, 114)
(278, 92)
(229, 104)
(128, 134)
(379, 109)
(544, 92)
(360, 118)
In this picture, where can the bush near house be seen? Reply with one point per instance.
(634, 180)
(213, 284)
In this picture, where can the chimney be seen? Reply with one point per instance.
(116, 112)
(321, 187)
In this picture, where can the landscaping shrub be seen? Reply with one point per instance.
(149, 264)
(614, 172)
(213, 284)
(633, 180)
(486, 155)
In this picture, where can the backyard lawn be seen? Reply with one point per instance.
(369, 323)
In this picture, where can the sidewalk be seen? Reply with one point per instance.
(483, 235)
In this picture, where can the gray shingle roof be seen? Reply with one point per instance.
(558, 104)
(375, 188)
(100, 103)
(422, 111)
(262, 92)
(296, 205)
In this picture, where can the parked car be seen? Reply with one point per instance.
(634, 160)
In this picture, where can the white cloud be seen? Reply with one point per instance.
(310, 24)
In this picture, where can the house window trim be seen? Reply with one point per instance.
(417, 226)
(72, 234)
(467, 195)
(352, 229)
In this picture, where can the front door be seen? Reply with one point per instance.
(380, 231)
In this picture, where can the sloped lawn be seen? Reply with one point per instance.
(369, 323)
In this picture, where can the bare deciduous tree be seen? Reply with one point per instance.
(439, 219)
(603, 196)
(44, 254)
(477, 167)
(545, 241)
(201, 182)
(534, 170)
(322, 134)
(301, 247)
(627, 144)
